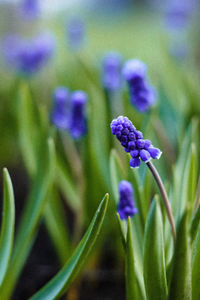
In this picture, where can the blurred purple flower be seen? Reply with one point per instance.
(142, 95)
(111, 71)
(77, 118)
(28, 56)
(132, 141)
(178, 13)
(60, 110)
(126, 206)
(76, 33)
(29, 9)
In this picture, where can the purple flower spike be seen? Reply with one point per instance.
(76, 33)
(30, 9)
(126, 206)
(142, 95)
(28, 56)
(77, 120)
(139, 148)
(111, 77)
(60, 111)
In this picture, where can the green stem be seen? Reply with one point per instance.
(164, 196)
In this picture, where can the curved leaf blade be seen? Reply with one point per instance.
(30, 218)
(7, 227)
(61, 282)
(195, 268)
(131, 288)
(180, 287)
(154, 265)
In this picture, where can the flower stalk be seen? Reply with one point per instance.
(164, 197)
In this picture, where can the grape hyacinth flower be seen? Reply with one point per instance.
(28, 56)
(132, 141)
(77, 118)
(111, 75)
(126, 206)
(76, 33)
(29, 9)
(179, 13)
(142, 95)
(60, 111)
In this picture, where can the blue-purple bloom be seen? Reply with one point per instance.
(142, 94)
(28, 56)
(126, 206)
(76, 33)
(77, 119)
(111, 73)
(29, 9)
(60, 110)
(178, 13)
(132, 141)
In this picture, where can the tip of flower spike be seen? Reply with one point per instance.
(126, 206)
(60, 94)
(79, 97)
(133, 68)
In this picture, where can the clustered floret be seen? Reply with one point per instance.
(142, 94)
(111, 75)
(126, 206)
(27, 56)
(77, 120)
(68, 111)
(132, 141)
(60, 111)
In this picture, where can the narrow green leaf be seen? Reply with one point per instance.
(180, 287)
(7, 226)
(116, 172)
(98, 133)
(189, 182)
(29, 133)
(196, 268)
(61, 282)
(55, 221)
(122, 235)
(30, 218)
(131, 287)
(154, 256)
(181, 170)
(66, 185)
(195, 223)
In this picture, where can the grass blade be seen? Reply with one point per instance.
(28, 225)
(154, 264)
(180, 287)
(7, 227)
(61, 282)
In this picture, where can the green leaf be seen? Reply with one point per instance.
(196, 268)
(29, 132)
(61, 282)
(121, 230)
(195, 224)
(116, 172)
(7, 226)
(131, 287)
(154, 256)
(189, 182)
(181, 171)
(30, 218)
(55, 221)
(98, 133)
(66, 185)
(180, 287)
